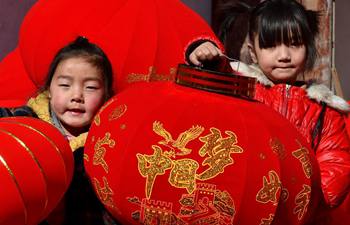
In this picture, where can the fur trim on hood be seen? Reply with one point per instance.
(251, 71)
(321, 93)
(317, 92)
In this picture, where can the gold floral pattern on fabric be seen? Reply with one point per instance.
(118, 112)
(97, 118)
(302, 201)
(152, 75)
(270, 189)
(105, 193)
(278, 148)
(267, 221)
(100, 151)
(216, 152)
(206, 205)
(302, 154)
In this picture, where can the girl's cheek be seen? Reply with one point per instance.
(97, 102)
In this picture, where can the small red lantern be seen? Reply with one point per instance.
(36, 169)
(162, 153)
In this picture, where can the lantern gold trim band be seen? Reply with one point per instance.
(3, 161)
(34, 158)
(46, 137)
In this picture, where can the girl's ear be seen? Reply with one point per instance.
(252, 53)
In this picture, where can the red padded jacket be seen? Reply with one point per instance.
(302, 106)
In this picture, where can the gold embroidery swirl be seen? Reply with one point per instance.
(218, 152)
(118, 112)
(97, 119)
(278, 148)
(302, 201)
(303, 155)
(267, 221)
(269, 191)
(105, 193)
(100, 151)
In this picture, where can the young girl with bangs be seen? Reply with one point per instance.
(79, 82)
(282, 48)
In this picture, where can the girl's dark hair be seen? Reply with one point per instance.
(81, 47)
(231, 21)
(285, 21)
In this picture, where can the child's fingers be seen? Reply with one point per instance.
(213, 51)
(204, 52)
(194, 59)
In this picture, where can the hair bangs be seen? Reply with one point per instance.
(279, 30)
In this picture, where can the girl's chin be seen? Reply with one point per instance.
(282, 78)
(76, 128)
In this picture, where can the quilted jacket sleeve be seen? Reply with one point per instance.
(333, 155)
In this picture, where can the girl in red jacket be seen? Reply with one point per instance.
(282, 47)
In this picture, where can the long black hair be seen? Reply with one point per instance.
(81, 47)
(286, 22)
(231, 21)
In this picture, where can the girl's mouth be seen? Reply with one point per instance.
(76, 112)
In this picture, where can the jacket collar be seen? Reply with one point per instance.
(317, 92)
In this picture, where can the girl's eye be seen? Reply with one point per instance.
(63, 85)
(296, 44)
(91, 87)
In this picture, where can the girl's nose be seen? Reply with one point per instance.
(77, 95)
(283, 53)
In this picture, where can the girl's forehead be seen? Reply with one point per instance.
(77, 68)
(74, 59)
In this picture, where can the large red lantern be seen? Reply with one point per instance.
(140, 37)
(161, 153)
(36, 167)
